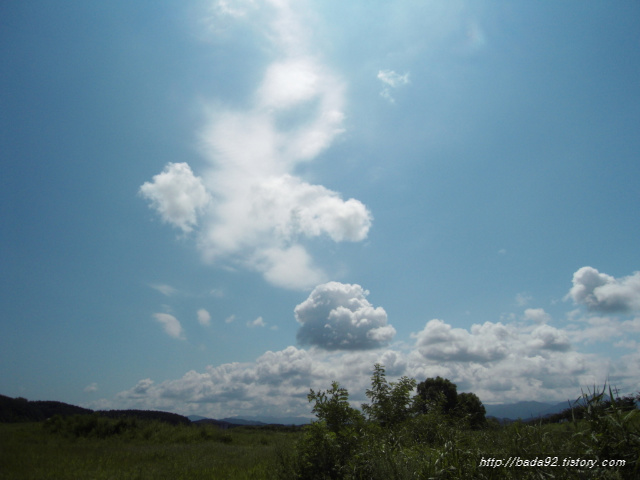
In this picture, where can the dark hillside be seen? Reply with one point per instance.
(172, 418)
(14, 410)
(19, 409)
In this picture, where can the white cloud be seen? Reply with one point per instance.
(166, 290)
(230, 319)
(91, 388)
(337, 316)
(277, 383)
(485, 343)
(536, 315)
(499, 362)
(142, 387)
(248, 206)
(523, 299)
(288, 267)
(523, 358)
(604, 293)
(258, 322)
(391, 79)
(236, 8)
(597, 329)
(289, 83)
(204, 318)
(170, 324)
(177, 195)
(545, 337)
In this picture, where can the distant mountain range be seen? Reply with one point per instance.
(525, 410)
(13, 410)
(253, 420)
(21, 410)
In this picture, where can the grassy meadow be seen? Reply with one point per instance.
(89, 447)
(139, 450)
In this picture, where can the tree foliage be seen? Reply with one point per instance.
(442, 394)
(440, 433)
(470, 408)
(438, 393)
(390, 402)
(332, 407)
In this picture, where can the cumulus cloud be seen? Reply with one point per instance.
(337, 316)
(276, 383)
(490, 342)
(484, 343)
(170, 324)
(249, 207)
(177, 195)
(546, 337)
(597, 329)
(522, 358)
(204, 318)
(391, 79)
(604, 293)
(532, 364)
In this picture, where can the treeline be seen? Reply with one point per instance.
(13, 410)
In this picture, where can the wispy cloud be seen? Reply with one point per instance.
(167, 290)
(91, 388)
(249, 207)
(391, 80)
(523, 299)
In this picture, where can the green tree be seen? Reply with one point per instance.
(470, 407)
(328, 444)
(332, 407)
(436, 392)
(390, 402)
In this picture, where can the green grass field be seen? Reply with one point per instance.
(96, 448)
(151, 450)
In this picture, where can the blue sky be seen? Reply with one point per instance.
(210, 207)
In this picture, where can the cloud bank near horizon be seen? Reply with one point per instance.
(524, 359)
(248, 207)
